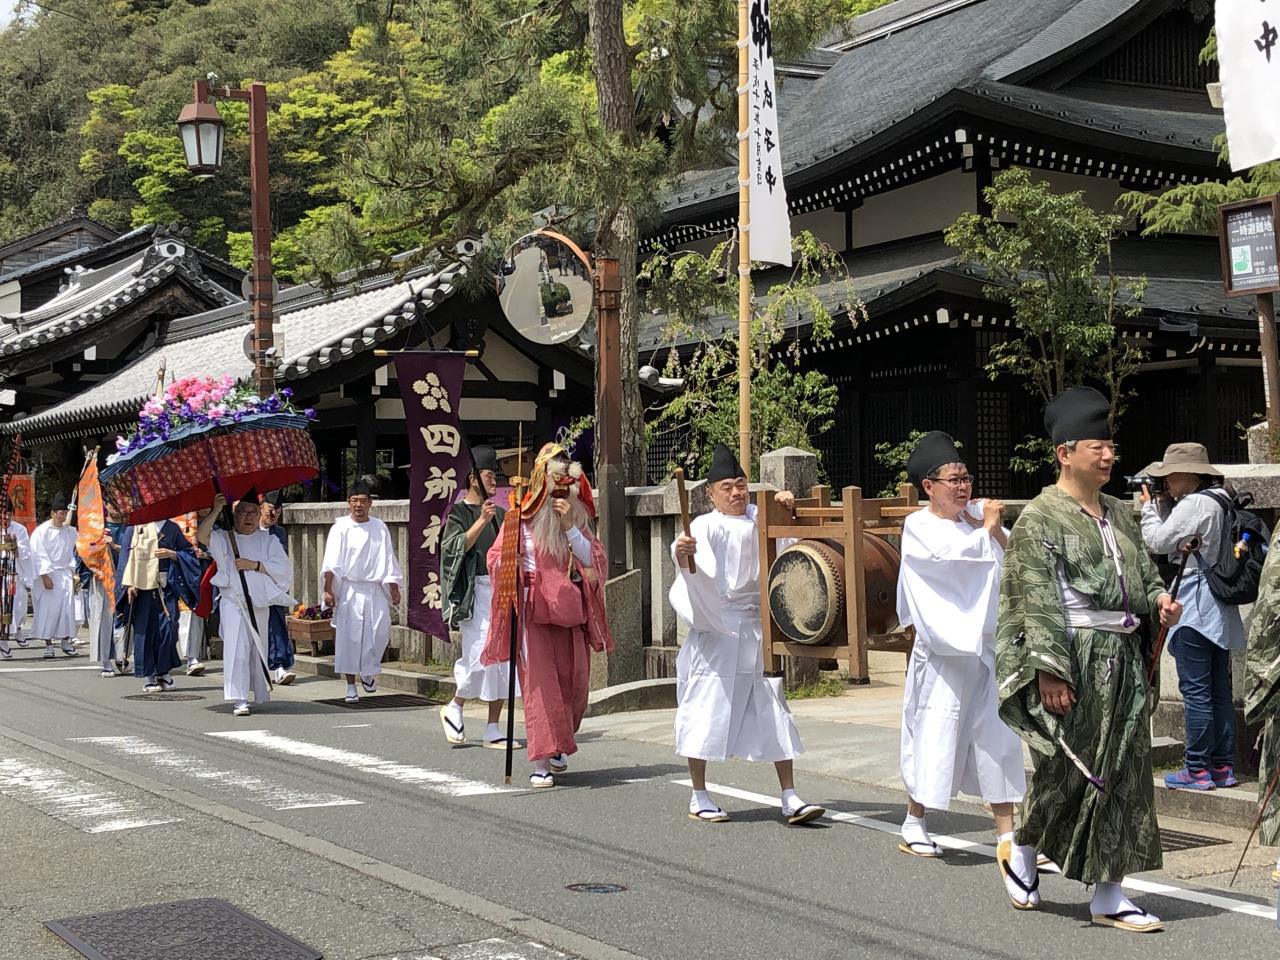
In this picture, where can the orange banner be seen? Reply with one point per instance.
(22, 499)
(91, 531)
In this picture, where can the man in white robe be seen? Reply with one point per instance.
(726, 706)
(953, 740)
(53, 551)
(24, 574)
(268, 574)
(361, 583)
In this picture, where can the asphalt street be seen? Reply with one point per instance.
(360, 832)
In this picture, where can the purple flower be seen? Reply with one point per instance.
(310, 413)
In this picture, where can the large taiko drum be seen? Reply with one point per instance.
(807, 592)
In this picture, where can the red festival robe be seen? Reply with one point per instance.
(561, 623)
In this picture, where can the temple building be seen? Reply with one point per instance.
(895, 127)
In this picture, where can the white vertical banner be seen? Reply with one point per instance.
(1249, 70)
(770, 233)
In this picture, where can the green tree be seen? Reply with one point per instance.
(789, 406)
(1048, 256)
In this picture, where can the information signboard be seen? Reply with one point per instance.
(1247, 232)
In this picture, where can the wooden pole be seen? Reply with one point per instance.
(609, 474)
(260, 203)
(517, 611)
(1270, 363)
(684, 513)
(744, 244)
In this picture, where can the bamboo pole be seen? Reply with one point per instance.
(744, 245)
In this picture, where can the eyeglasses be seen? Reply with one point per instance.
(962, 481)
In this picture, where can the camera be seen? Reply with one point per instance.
(1135, 484)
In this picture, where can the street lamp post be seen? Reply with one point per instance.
(202, 129)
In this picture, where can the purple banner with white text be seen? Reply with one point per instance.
(431, 390)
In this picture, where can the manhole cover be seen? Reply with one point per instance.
(596, 887)
(1174, 840)
(164, 696)
(382, 701)
(192, 930)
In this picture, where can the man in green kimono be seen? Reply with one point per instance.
(1262, 694)
(469, 532)
(1078, 599)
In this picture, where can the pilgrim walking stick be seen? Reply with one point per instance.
(509, 591)
(1257, 822)
(1189, 546)
(683, 494)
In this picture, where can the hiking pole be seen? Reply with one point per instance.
(1189, 546)
(1262, 809)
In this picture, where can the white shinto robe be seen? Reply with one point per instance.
(362, 559)
(727, 708)
(953, 740)
(24, 566)
(244, 650)
(53, 550)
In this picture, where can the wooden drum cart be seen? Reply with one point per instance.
(836, 591)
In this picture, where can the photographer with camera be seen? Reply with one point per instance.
(1183, 498)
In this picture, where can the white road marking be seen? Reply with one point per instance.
(350, 726)
(74, 801)
(269, 793)
(1205, 898)
(495, 948)
(435, 780)
(42, 669)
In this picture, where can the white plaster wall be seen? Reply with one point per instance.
(926, 207)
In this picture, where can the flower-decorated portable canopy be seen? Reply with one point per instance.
(202, 436)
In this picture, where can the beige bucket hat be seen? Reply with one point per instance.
(1184, 458)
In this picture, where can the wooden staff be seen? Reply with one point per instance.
(683, 494)
(1262, 809)
(518, 482)
(1190, 546)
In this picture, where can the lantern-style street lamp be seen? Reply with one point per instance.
(203, 133)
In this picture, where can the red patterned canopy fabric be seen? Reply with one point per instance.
(172, 480)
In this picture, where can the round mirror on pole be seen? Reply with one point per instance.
(545, 287)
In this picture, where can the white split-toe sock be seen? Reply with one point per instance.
(1022, 860)
(1109, 898)
(914, 831)
(492, 732)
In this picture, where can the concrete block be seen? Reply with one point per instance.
(789, 468)
(637, 695)
(1259, 444)
(623, 599)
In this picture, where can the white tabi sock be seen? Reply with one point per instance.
(541, 766)
(1109, 898)
(791, 802)
(492, 732)
(1022, 860)
(913, 831)
(454, 712)
(701, 800)
(351, 690)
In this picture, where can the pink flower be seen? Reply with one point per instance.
(217, 411)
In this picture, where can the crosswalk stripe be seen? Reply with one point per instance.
(1219, 901)
(42, 669)
(435, 780)
(269, 793)
(77, 802)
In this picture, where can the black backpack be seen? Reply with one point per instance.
(1232, 579)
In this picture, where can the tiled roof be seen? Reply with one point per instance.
(93, 296)
(904, 62)
(75, 220)
(317, 330)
